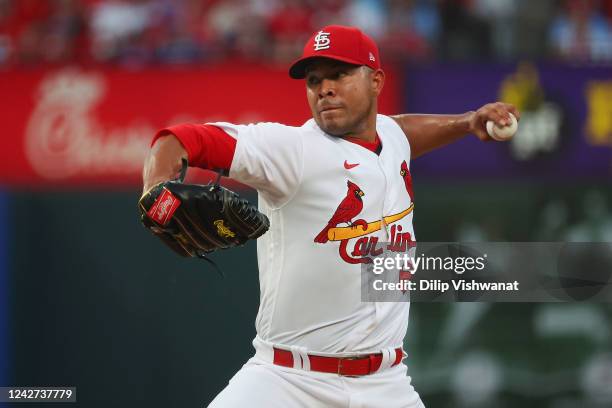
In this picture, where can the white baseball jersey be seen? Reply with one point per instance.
(312, 186)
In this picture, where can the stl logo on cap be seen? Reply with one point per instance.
(321, 41)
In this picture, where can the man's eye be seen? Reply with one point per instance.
(313, 81)
(340, 74)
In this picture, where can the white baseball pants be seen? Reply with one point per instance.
(261, 384)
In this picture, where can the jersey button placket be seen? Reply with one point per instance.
(383, 225)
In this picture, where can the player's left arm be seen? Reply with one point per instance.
(429, 132)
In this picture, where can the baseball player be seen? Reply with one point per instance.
(333, 190)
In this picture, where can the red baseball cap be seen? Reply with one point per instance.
(347, 44)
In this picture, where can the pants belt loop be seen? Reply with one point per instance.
(303, 352)
(297, 359)
(388, 357)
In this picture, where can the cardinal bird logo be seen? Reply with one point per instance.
(349, 207)
(405, 173)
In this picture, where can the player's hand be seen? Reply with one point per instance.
(496, 112)
(194, 220)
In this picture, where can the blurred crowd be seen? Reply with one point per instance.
(194, 31)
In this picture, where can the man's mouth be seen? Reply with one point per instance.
(329, 108)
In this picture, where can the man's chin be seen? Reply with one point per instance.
(332, 128)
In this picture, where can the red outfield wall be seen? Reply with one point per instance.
(81, 127)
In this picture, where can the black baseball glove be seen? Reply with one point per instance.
(195, 219)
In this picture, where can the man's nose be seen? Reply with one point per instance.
(328, 88)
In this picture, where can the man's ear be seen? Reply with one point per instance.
(378, 81)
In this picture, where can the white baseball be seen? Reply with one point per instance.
(502, 133)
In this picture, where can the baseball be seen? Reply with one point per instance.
(502, 133)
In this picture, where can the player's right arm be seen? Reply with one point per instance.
(429, 132)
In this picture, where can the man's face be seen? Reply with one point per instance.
(341, 96)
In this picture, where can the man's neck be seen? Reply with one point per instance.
(367, 133)
(368, 137)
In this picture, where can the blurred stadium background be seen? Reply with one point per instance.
(88, 298)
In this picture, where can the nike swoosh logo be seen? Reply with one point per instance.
(349, 166)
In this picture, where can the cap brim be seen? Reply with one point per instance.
(298, 69)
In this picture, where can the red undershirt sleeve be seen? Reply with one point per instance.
(207, 146)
